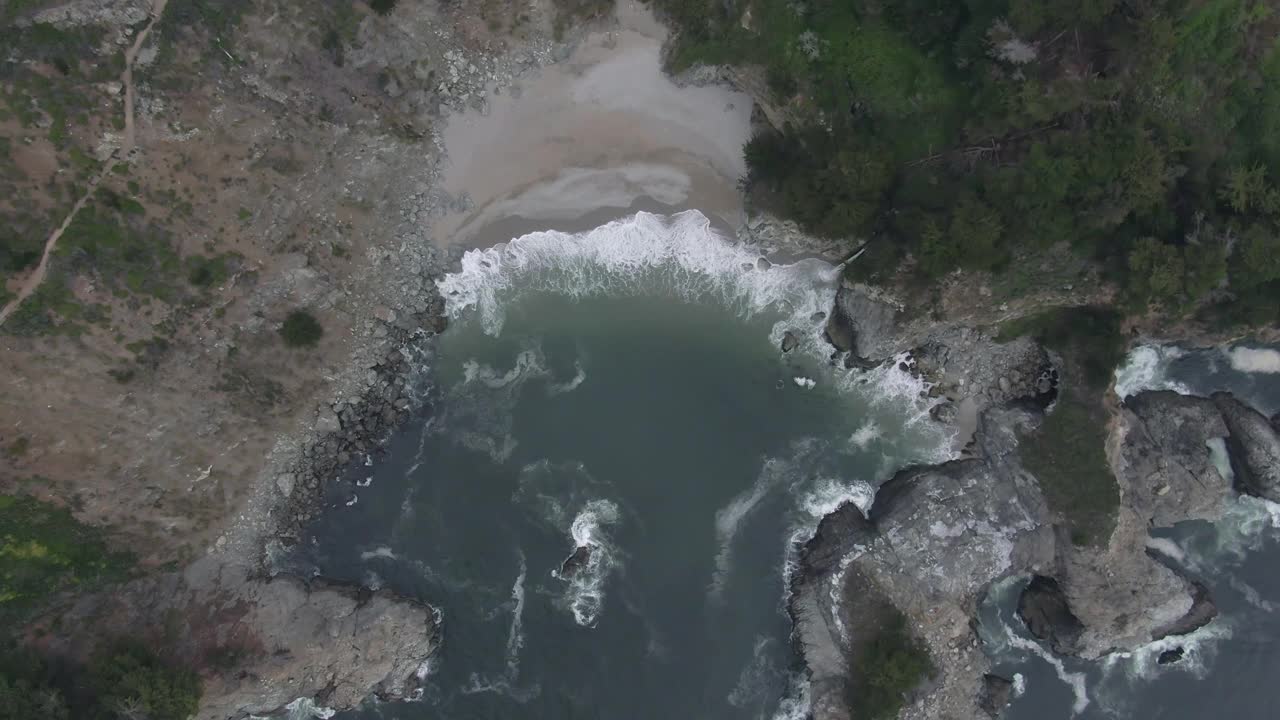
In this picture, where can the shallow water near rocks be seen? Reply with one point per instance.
(623, 391)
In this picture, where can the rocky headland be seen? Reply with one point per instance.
(937, 538)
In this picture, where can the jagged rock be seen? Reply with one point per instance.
(1044, 608)
(1254, 448)
(861, 323)
(937, 536)
(575, 562)
(789, 341)
(1165, 457)
(1203, 611)
(1170, 656)
(995, 694)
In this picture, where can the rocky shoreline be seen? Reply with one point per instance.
(937, 538)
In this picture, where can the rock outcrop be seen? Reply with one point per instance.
(1254, 448)
(333, 643)
(935, 538)
(862, 322)
(1043, 608)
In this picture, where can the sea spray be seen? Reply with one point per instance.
(1147, 368)
(681, 256)
(584, 594)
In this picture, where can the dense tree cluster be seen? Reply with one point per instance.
(969, 134)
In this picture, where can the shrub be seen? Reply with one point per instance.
(892, 664)
(131, 679)
(382, 7)
(301, 329)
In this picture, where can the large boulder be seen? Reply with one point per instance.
(1044, 609)
(862, 322)
(1254, 448)
(1166, 462)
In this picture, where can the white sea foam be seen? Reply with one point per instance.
(680, 255)
(730, 517)
(1074, 680)
(999, 639)
(478, 409)
(825, 497)
(1198, 648)
(806, 383)
(382, 552)
(1019, 684)
(756, 678)
(579, 376)
(829, 494)
(1147, 368)
(1221, 460)
(585, 592)
(515, 638)
(1167, 547)
(306, 709)
(1254, 360)
(796, 703)
(867, 433)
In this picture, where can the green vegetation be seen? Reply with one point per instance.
(44, 551)
(124, 682)
(975, 133)
(891, 665)
(130, 681)
(1067, 452)
(301, 329)
(382, 7)
(1067, 455)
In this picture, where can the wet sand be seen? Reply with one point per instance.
(598, 136)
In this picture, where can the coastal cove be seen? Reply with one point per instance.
(621, 360)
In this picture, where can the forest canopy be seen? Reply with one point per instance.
(1146, 135)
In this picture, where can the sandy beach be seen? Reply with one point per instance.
(598, 136)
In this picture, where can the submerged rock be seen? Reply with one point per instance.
(1170, 656)
(996, 691)
(1044, 609)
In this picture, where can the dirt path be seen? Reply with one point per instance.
(127, 145)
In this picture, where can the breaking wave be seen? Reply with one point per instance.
(679, 255)
(1147, 368)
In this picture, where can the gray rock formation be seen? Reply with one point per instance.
(334, 643)
(1254, 448)
(936, 537)
(1165, 457)
(1044, 609)
(862, 322)
(995, 694)
(1161, 451)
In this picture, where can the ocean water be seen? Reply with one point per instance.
(1228, 669)
(623, 391)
